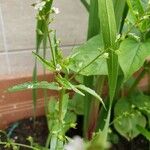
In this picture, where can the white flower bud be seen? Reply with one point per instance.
(56, 10)
(39, 5)
(58, 67)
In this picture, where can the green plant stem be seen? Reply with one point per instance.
(93, 29)
(62, 92)
(18, 144)
(52, 51)
(48, 141)
(136, 82)
(94, 110)
(86, 5)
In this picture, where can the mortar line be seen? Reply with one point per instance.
(4, 40)
(30, 49)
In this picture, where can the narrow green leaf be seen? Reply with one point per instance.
(144, 132)
(93, 29)
(109, 33)
(107, 22)
(86, 4)
(93, 23)
(67, 85)
(36, 85)
(90, 91)
(119, 8)
(47, 64)
(65, 101)
(136, 7)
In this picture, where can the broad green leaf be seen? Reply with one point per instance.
(127, 118)
(85, 53)
(47, 64)
(90, 91)
(36, 85)
(142, 102)
(144, 132)
(132, 55)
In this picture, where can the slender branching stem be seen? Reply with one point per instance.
(51, 48)
(62, 92)
(21, 145)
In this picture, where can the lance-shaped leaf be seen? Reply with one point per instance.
(68, 85)
(35, 85)
(109, 32)
(135, 7)
(132, 55)
(86, 4)
(144, 132)
(45, 63)
(41, 25)
(90, 91)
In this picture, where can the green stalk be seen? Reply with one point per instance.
(21, 145)
(62, 92)
(94, 111)
(48, 141)
(52, 50)
(120, 8)
(40, 25)
(109, 32)
(93, 29)
(86, 5)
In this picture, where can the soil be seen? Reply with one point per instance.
(21, 130)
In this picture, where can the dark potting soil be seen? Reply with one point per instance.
(21, 130)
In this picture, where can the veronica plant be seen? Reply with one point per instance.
(59, 115)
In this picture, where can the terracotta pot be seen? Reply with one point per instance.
(18, 105)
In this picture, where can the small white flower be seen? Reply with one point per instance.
(75, 144)
(30, 86)
(39, 5)
(56, 10)
(118, 37)
(58, 67)
(106, 55)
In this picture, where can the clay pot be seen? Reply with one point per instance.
(18, 105)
